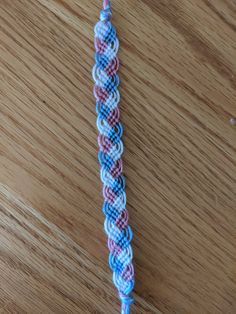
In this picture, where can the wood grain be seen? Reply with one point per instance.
(178, 94)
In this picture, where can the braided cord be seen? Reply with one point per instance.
(110, 144)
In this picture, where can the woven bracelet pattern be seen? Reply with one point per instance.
(110, 151)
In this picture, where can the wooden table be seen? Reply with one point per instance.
(178, 93)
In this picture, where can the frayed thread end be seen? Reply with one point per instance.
(126, 302)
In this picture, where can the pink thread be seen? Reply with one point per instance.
(114, 248)
(117, 169)
(112, 67)
(114, 117)
(100, 45)
(128, 272)
(109, 195)
(122, 220)
(106, 4)
(104, 143)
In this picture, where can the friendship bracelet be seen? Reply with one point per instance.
(110, 144)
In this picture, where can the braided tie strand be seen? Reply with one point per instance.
(110, 145)
(105, 14)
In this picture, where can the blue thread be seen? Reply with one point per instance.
(112, 83)
(101, 60)
(126, 302)
(105, 15)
